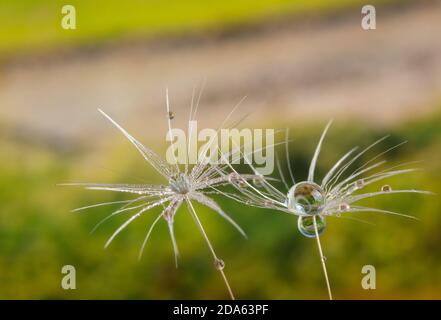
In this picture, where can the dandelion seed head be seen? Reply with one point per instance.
(339, 191)
(181, 184)
(195, 183)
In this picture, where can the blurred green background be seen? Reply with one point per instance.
(34, 24)
(52, 81)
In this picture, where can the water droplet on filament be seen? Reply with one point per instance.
(258, 182)
(386, 188)
(268, 203)
(237, 180)
(219, 264)
(305, 224)
(344, 207)
(171, 115)
(359, 183)
(306, 198)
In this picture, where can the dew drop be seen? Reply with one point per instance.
(237, 180)
(386, 188)
(307, 198)
(305, 224)
(344, 207)
(360, 183)
(258, 181)
(171, 115)
(268, 203)
(219, 264)
(233, 177)
(241, 184)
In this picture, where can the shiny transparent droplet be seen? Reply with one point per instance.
(171, 115)
(233, 177)
(386, 188)
(344, 207)
(241, 184)
(268, 203)
(359, 183)
(219, 264)
(306, 198)
(258, 182)
(237, 180)
(305, 224)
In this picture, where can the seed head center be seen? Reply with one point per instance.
(180, 184)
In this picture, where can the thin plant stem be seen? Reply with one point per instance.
(322, 257)
(198, 222)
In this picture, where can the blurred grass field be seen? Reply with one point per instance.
(35, 25)
(39, 234)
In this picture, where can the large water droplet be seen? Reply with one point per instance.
(171, 115)
(307, 198)
(305, 224)
(219, 264)
(386, 188)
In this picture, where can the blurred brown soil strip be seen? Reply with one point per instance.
(291, 72)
